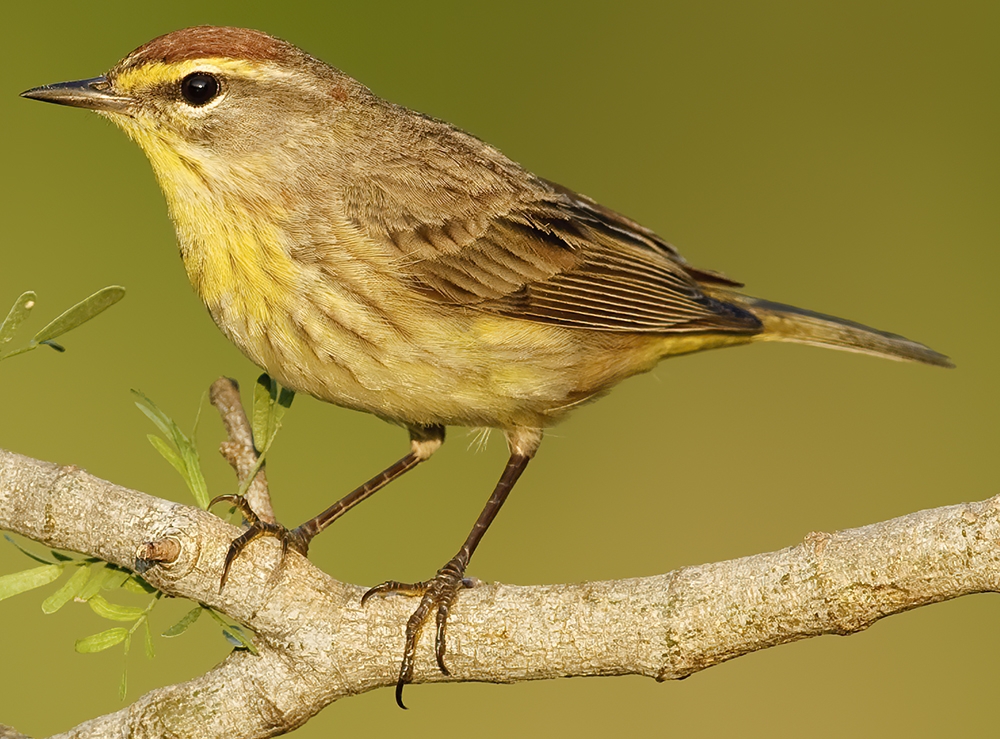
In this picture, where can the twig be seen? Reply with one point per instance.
(239, 450)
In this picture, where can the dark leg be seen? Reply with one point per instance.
(439, 593)
(424, 441)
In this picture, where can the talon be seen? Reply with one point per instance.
(295, 540)
(394, 586)
(439, 640)
(238, 502)
(436, 595)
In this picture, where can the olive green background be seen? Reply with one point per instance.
(842, 156)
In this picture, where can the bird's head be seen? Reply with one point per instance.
(217, 103)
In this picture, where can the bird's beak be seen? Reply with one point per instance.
(94, 94)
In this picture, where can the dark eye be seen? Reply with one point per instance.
(199, 88)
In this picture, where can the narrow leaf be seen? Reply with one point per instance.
(93, 586)
(194, 478)
(123, 683)
(26, 553)
(20, 582)
(150, 652)
(167, 453)
(137, 585)
(185, 459)
(67, 592)
(18, 312)
(242, 639)
(113, 611)
(81, 313)
(248, 481)
(154, 414)
(264, 394)
(277, 409)
(116, 579)
(100, 642)
(181, 626)
(233, 633)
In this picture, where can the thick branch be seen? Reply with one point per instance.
(317, 644)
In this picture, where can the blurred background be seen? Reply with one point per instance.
(841, 156)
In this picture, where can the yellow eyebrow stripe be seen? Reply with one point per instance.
(153, 74)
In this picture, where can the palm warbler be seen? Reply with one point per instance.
(385, 261)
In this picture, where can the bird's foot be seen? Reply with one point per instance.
(295, 539)
(438, 595)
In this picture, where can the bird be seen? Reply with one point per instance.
(383, 260)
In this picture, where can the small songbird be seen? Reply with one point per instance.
(385, 261)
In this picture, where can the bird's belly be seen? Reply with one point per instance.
(426, 365)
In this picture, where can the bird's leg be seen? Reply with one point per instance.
(439, 593)
(424, 441)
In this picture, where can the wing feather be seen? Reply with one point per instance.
(566, 260)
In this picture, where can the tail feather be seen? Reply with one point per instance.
(788, 323)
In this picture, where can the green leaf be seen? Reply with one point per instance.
(81, 313)
(100, 642)
(20, 582)
(181, 626)
(26, 553)
(264, 394)
(115, 579)
(123, 683)
(168, 454)
(137, 585)
(97, 580)
(194, 479)
(270, 401)
(160, 419)
(18, 312)
(70, 589)
(150, 652)
(237, 636)
(113, 611)
(185, 459)
(234, 633)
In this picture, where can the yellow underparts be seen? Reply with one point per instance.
(231, 248)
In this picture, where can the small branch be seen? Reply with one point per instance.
(161, 551)
(317, 644)
(239, 450)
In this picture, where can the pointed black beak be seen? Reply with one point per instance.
(94, 94)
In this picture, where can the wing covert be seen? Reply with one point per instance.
(564, 259)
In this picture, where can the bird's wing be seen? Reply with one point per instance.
(565, 259)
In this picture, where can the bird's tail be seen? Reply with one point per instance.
(788, 323)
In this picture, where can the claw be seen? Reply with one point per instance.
(394, 586)
(238, 502)
(439, 642)
(289, 539)
(437, 595)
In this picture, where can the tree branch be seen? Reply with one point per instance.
(239, 449)
(317, 644)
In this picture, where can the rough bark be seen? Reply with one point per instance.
(317, 644)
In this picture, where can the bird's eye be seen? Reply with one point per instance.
(199, 88)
